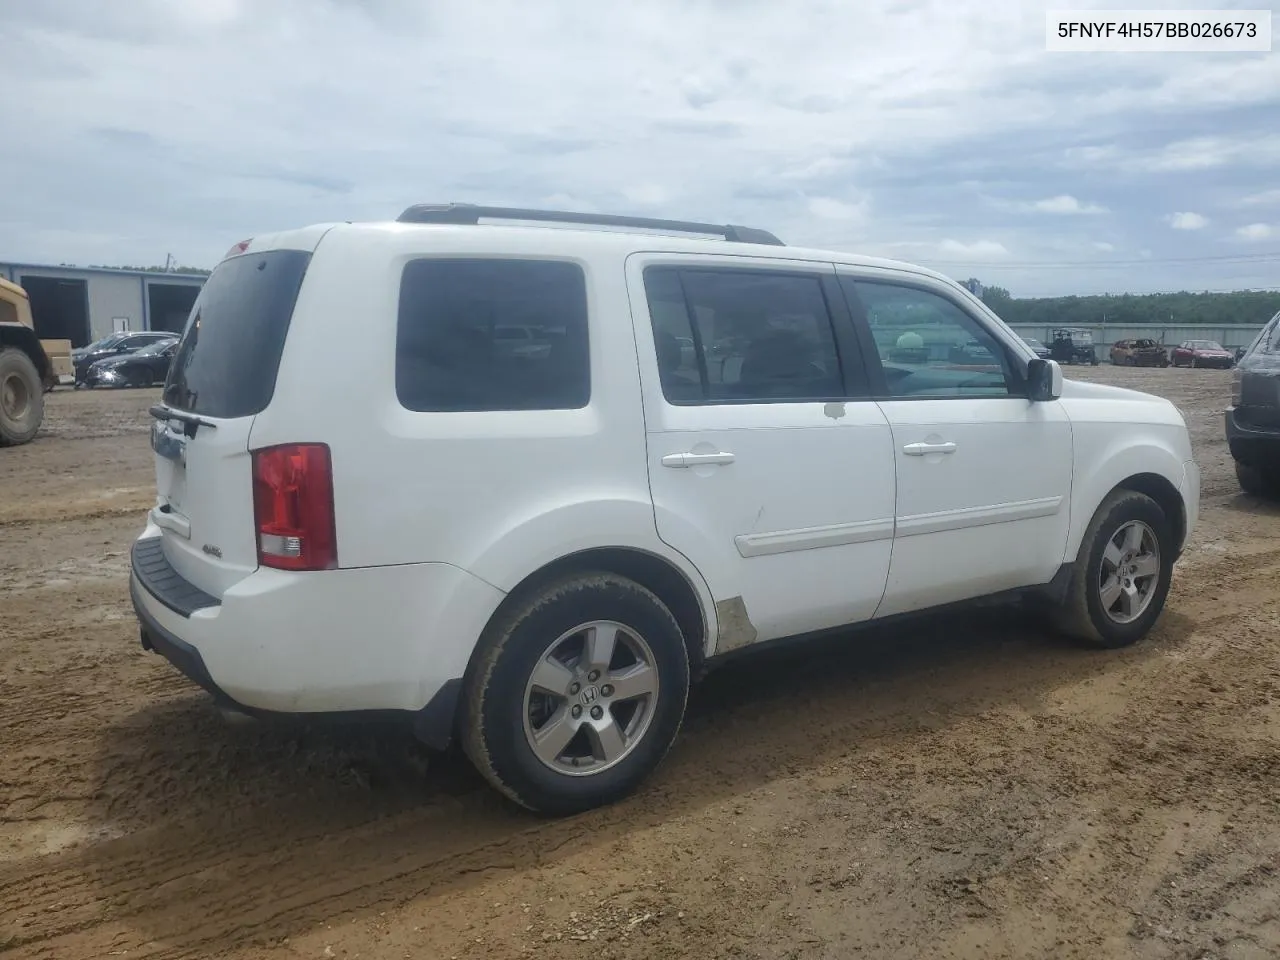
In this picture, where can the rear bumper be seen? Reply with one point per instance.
(367, 643)
(1251, 443)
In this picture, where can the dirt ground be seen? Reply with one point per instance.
(965, 788)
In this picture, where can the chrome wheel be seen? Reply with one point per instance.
(15, 399)
(1130, 572)
(590, 698)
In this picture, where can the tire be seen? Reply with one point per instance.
(504, 711)
(21, 398)
(1257, 481)
(1083, 615)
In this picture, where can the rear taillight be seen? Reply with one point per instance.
(293, 507)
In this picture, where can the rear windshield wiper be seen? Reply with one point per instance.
(191, 422)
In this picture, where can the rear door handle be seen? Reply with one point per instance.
(920, 449)
(696, 459)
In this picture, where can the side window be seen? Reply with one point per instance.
(1270, 339)
(742, 336)
(492, 335)
(930, 347)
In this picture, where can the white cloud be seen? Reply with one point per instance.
(1064, 203)
(646, 194)
(1104, 247)
(829, 208)
(1182, 156)
(1263, 198)
(977, 250)
(1187, 221)
(1256, 231)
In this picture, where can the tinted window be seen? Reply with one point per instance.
(492, 335)
(745, 336)
(106, 342)
(1269, 339)
(227, 362)
(928, 346)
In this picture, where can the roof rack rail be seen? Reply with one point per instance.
(470, 214)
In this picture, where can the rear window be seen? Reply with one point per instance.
(479, 335)
(227, 362)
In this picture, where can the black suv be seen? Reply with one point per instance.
(1253, 419)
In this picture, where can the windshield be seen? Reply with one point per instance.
(105, 342)
(1205, 345)
(151, 349)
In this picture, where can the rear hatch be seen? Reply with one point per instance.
(223, 376)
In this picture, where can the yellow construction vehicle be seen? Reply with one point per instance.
(29, 367)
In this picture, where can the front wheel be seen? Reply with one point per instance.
(1122, 573)
(577, 695)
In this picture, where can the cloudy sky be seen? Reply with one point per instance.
(938, 131)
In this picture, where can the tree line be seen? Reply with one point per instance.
(1165, 309)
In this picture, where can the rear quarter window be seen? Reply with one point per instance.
(227, 362)
(489, 334)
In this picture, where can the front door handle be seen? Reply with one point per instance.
(696, 459)
(920, 449)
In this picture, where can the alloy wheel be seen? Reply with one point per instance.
(590, 698)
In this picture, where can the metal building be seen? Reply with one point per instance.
(83, 304)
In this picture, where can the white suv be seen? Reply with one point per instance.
(367, 504)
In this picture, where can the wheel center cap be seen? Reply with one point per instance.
(590, 694)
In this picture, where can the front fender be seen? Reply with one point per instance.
(1103, 465)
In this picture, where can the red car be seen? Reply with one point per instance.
(1202, 353)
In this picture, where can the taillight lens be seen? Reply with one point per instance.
(293, 507)
(1237, 382)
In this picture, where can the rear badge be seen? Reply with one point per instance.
(212, 551)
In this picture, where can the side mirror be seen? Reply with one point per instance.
(1044, 380)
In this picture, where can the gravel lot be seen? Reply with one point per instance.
(966, 788)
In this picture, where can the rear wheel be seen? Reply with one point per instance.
(577, 695)
(1258, 481)
(1122, 573)
(21, 398)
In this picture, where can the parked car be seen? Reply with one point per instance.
(1143, 352)
(1037, 347)
(1073, 346)
(1253, 419)
(971, 353)
(113, 346)
(535, 556)
(1202, 353)
(144, 367)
